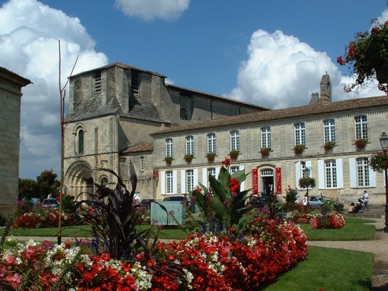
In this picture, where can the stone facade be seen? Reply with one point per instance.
(10, 96)
(112, 112)
(341, 173)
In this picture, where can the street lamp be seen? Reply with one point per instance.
(384, 146)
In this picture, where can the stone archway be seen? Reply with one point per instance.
(79, 180)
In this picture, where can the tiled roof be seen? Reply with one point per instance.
(142, 109)
(143, 147)
(302, 111)
(93, 108)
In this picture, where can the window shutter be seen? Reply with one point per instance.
(195, 184)
(205, 177)
(372, 177)
(297, 175)
(163, 182)
(183, 181)
(352, 173)
(321, 174)
(340, 175)
(217, 172)
(175, 182)
(242, 186)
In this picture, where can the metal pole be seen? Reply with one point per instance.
(386, 198)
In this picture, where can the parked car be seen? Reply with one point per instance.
(51, 202)
(320, 200)
(259, 201)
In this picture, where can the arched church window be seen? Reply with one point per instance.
(80, 141)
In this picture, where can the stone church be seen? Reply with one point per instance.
(113, 110)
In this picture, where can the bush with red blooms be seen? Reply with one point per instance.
(332, 219)
(201, 262)
(367, 55)
(45, 218)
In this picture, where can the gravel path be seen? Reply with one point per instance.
(378, 246)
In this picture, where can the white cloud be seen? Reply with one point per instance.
(281, 71)
(151, 9)
(29, 34)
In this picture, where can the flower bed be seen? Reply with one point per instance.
(208, 262)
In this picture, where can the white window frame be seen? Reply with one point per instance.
(169, 182)
(322, 174)
(234, 140)
(211, 143)
(329, 130)
(266, 137)
(189, 145)
(169, 147)
(361, 127)
(300, 133)
(353, 174)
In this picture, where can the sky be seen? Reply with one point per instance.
(269, 53)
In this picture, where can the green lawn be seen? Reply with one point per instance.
(331, 269)
(354, 229)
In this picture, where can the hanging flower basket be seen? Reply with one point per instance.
(307, 182)
(299, 148)
(211, 156)
(234, 154)
(329, 145)
(168, 160)
(367, 56)
(265, 152)
(379, 161)
(360, 143)
(189, 158)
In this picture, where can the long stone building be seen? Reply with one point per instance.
(108, 136)
(10, 97)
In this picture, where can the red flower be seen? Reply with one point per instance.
(226, 162)
(234, 185)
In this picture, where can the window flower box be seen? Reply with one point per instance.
(211, 156)
(265, 152)
(234, 154)
(299, 148)
(168, 160)
(189, 158)
(329, 145)
(360, 143)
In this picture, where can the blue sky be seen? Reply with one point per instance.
(271, 53)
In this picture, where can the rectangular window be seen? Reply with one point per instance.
(169, 144)
(300, 134)
(234, 169)
(189, 181)
(266, 137)
(361, 127)
(135, 83)
(141, 163)
(190, 145)
(211, 143)
(97, 82)
(234, 140)
(362, 172)
(331, 174)
(329, 128)
(169, 182)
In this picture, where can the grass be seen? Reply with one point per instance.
(354, 229)
(331, 269)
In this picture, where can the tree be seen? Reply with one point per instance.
(28, 189)
(48, 184)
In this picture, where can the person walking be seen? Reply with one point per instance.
(365, 198)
